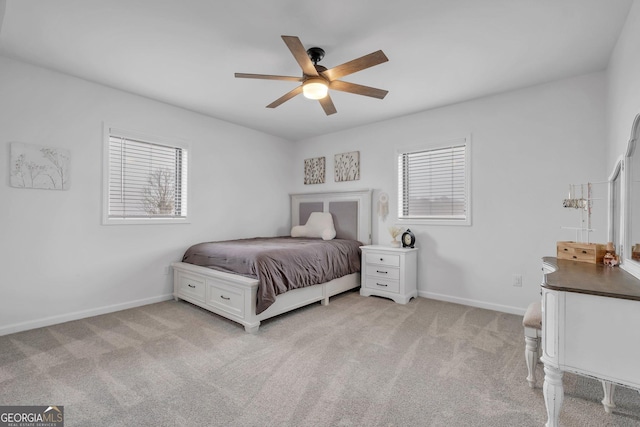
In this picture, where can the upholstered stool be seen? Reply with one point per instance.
(532, 323)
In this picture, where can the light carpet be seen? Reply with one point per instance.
(357, 362)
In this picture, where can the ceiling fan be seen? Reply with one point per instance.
(317, 80)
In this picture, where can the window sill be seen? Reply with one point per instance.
(144, 221)
(439, 221)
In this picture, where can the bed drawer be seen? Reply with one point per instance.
(383, 259)
(191, 286)
(383, 272)
(226, 298)
(382, 284)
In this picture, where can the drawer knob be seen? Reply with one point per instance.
(225, 298)
(383, 272)
(381, 284)
(381, 259)
(191, 286)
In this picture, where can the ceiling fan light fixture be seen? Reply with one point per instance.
(315, 88)
(317, 79)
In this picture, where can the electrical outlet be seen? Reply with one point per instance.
(166, 270)
(517, 280)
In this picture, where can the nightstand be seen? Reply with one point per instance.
(389, 272)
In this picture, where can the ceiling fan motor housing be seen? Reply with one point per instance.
(315, 54)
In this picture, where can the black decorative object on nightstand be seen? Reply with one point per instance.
(408, 239)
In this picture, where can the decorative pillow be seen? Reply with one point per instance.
(319, 224)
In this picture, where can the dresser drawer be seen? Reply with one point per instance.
(383, 259)
(383, 272)
(191, 286)
(226, 298)
(382, 284)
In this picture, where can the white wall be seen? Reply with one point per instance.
(58, 261)
(527, 147)
(623, 86)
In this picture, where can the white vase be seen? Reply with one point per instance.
(395, 243)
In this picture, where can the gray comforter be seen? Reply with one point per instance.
(279, 263)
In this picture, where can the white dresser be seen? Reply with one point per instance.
(590, 318)
(389, 272)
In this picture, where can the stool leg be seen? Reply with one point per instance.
(607, 401)
(531, 355)
(539, 339)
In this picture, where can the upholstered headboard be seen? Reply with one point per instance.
(351, 212)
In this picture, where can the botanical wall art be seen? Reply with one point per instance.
(314, 170)
(34, 166)
(347, 166)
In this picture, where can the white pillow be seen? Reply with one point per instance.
(319, 224)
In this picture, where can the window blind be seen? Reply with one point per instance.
(433, 184)
(146, 180)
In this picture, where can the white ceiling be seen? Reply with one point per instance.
(185, 52)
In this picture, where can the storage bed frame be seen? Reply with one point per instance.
(234, 296)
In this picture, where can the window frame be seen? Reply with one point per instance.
(109, 131)
(429, 146)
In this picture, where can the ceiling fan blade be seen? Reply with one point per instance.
(355, 65)
(287, 96)
(327, 105)
(267, 77)
(358, 89)
(300, 54)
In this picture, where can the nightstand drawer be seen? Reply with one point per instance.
(383, 259)
(382, 284)
(383, 272)
(226, 298)
(192, 287)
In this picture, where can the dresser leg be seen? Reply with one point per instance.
(252, 329)
(609, 389)
(553, 391)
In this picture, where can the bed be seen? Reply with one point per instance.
(235, 296)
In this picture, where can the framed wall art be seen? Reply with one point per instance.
(314, 170)
(347, 166)
(34, 166)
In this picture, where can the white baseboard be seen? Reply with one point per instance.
(473, 303)
(54, 320)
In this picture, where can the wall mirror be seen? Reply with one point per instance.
(615, 206)
(631, 204)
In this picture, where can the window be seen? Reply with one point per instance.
(145, 179)
(433, 184)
